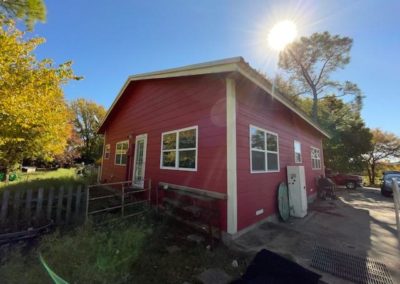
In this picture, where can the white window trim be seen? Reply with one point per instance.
(320, 163)
(116, 144)
(294, 149)
(264, 151)
(109, 151)
(177, 168)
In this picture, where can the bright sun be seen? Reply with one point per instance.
(282, 34)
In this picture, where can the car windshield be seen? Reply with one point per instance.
(390, 176)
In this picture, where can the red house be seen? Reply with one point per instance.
(216, 126)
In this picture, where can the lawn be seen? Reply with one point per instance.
(131, 251)
(46, 179)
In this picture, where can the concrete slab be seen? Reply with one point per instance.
(214, 276)
(359, 222)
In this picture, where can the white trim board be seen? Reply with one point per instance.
(231, 166)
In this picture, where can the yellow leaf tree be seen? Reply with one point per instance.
(34, 117)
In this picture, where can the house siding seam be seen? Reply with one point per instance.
(259, 191)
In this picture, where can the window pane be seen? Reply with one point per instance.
(119, 146)
(257, 139)
(169, 141)
(123, 159)
(187, 159)
(169, 159)
(117, 159)
(258, 161)
(125, 146)
(272, 161)
(187, 139)
(297, 157)
(272, 142)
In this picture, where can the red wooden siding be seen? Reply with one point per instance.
(160, 105)
(259, 190)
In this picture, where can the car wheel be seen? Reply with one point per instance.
(350, 185)
(386, 193)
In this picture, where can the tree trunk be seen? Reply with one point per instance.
(369, 174)
(315, 105)
(7, 177)
(373, 173)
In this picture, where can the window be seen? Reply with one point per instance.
(179, 149)
(264, 150)
(315, 158)
(120, 152)
(107, 150)
(297, 152)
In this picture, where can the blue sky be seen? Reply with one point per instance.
(110, 40)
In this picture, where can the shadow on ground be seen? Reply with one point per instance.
(360, 222)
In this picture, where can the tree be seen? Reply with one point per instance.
(28, 10)
(33, 113)
(87, 117)
(71, 151)
(310, 63)
(386, 146)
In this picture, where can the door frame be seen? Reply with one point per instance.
(140, 137)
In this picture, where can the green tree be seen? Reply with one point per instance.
(33, 113)
(310, 63)
(87, 118)
(386, 146)
(350, 138)
(29, 11)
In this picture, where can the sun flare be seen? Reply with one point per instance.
(282, 34)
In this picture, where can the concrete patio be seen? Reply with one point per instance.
(360, 222)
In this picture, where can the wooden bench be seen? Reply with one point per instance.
(195, 207)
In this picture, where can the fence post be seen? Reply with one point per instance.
(39, 203)
(69, 202)
(16, 203)
(87, 202)
(77, 201)
(50, 203)
(396, 199)
(123, 201)
(28, 206)
(4, 206)
(59, 204)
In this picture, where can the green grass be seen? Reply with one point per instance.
(46, 180)
(122, 252)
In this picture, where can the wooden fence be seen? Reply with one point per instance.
(23, 208)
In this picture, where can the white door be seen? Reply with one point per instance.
(139, 162)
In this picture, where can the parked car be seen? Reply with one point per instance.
(386, 182)
(350, 181)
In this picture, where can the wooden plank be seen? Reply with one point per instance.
(198, 191)
(60, 199)
(39, 204)
(78, 201)
(16, 205)
(69, 202)
(50, 203)
(4, 206)
(28, 205)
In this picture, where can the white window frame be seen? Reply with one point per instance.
(177, 150)
(294, 149)
(315, 159)
(117, 153)
(107, 150)
(265, 151)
